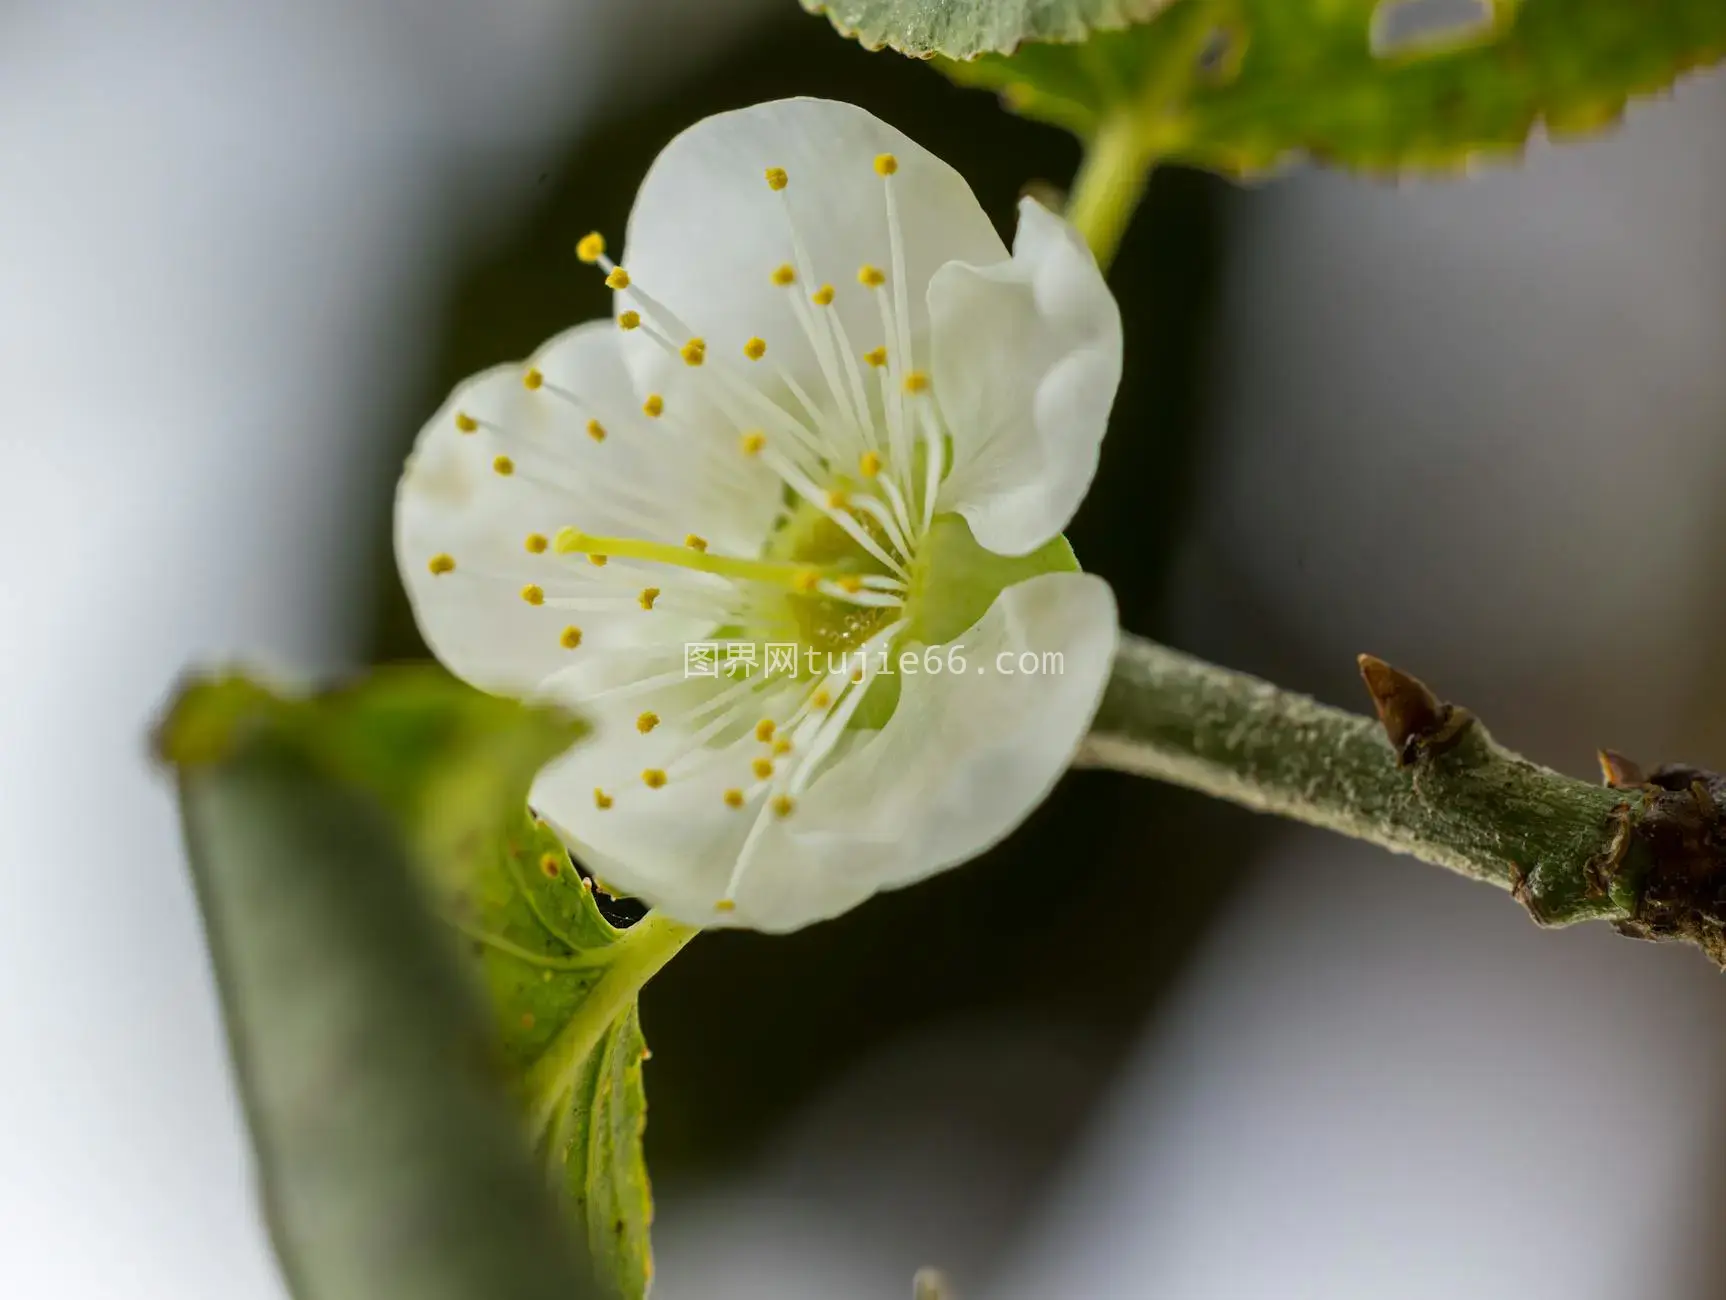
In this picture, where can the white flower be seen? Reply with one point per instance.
(837, 414)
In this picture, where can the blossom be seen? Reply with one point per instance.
(831, 414)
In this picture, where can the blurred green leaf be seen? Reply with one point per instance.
(390, 1159)
(451, 767)
(1281, 78)
(961, 29)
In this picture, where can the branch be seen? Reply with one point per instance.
(1646, 852)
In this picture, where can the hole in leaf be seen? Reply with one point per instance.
(1404, 26)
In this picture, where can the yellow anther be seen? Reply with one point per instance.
(806, 580)
(536, 543)
(764, 730)
(733, 799)
(647, 597)
(762, 767)
(871, 277)
(876, 357)
(533, 594)
(598, 561)
(753, 442)
(441, 564)
(591, 247)
(629, 320)
(821, 699)
(503, 465)
(551, 866)
(782, 745)
(618, 279)
(653, 778)
(532, 379)
(916, 382)
(654, 406)
(836, 499)
(695, 542)
(822, 297)
(885, 164)
(571, 637)
(869, 464)
(783, 274)
(777, 179)
(755, 349)
(856, 675)
(596, 430)
(694, 352)
(647, 722)
(783, 805)
(725, 904)
(851, 584)
(601, 801)
(465, 422)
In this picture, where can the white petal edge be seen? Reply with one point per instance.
(1027, 358)
(964, 759)
(706, 232)
(640, 480)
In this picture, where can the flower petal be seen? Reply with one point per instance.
(964, 759)
(707, 233)
(501, 462)
(1027, 357)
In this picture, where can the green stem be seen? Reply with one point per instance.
(630, 962)
(1111, 181)
(1141, 127)
(1649, 858)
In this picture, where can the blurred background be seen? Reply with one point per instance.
(1152, 1046)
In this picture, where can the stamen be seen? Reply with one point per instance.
(571, 637)
(783, 805)
(764, 730)
(763, 768)
(871, 277)
(916, 382)
(695, 542)
(465, 423)
(532, 379)
(783, 275)
(755, 349)
(822, 297)
(653, 778)
(782, 746)
(617, 279)
(647, 597)
(733, 799)
(601, 800)
(726, 904)
(533, 594)
(876, 357)
(885, 164)
(646, 722)
(503, 465)
(654, 406)
(441, 564)
(752, 442)
(591, 247)
(776, 178)
(869, 465)
(629, 320)
(596, 430)
(694, 352)
(536, 543)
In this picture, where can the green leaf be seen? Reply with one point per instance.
(389, 1156)
(453, 766)
(962, 29)
(1283, 78)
